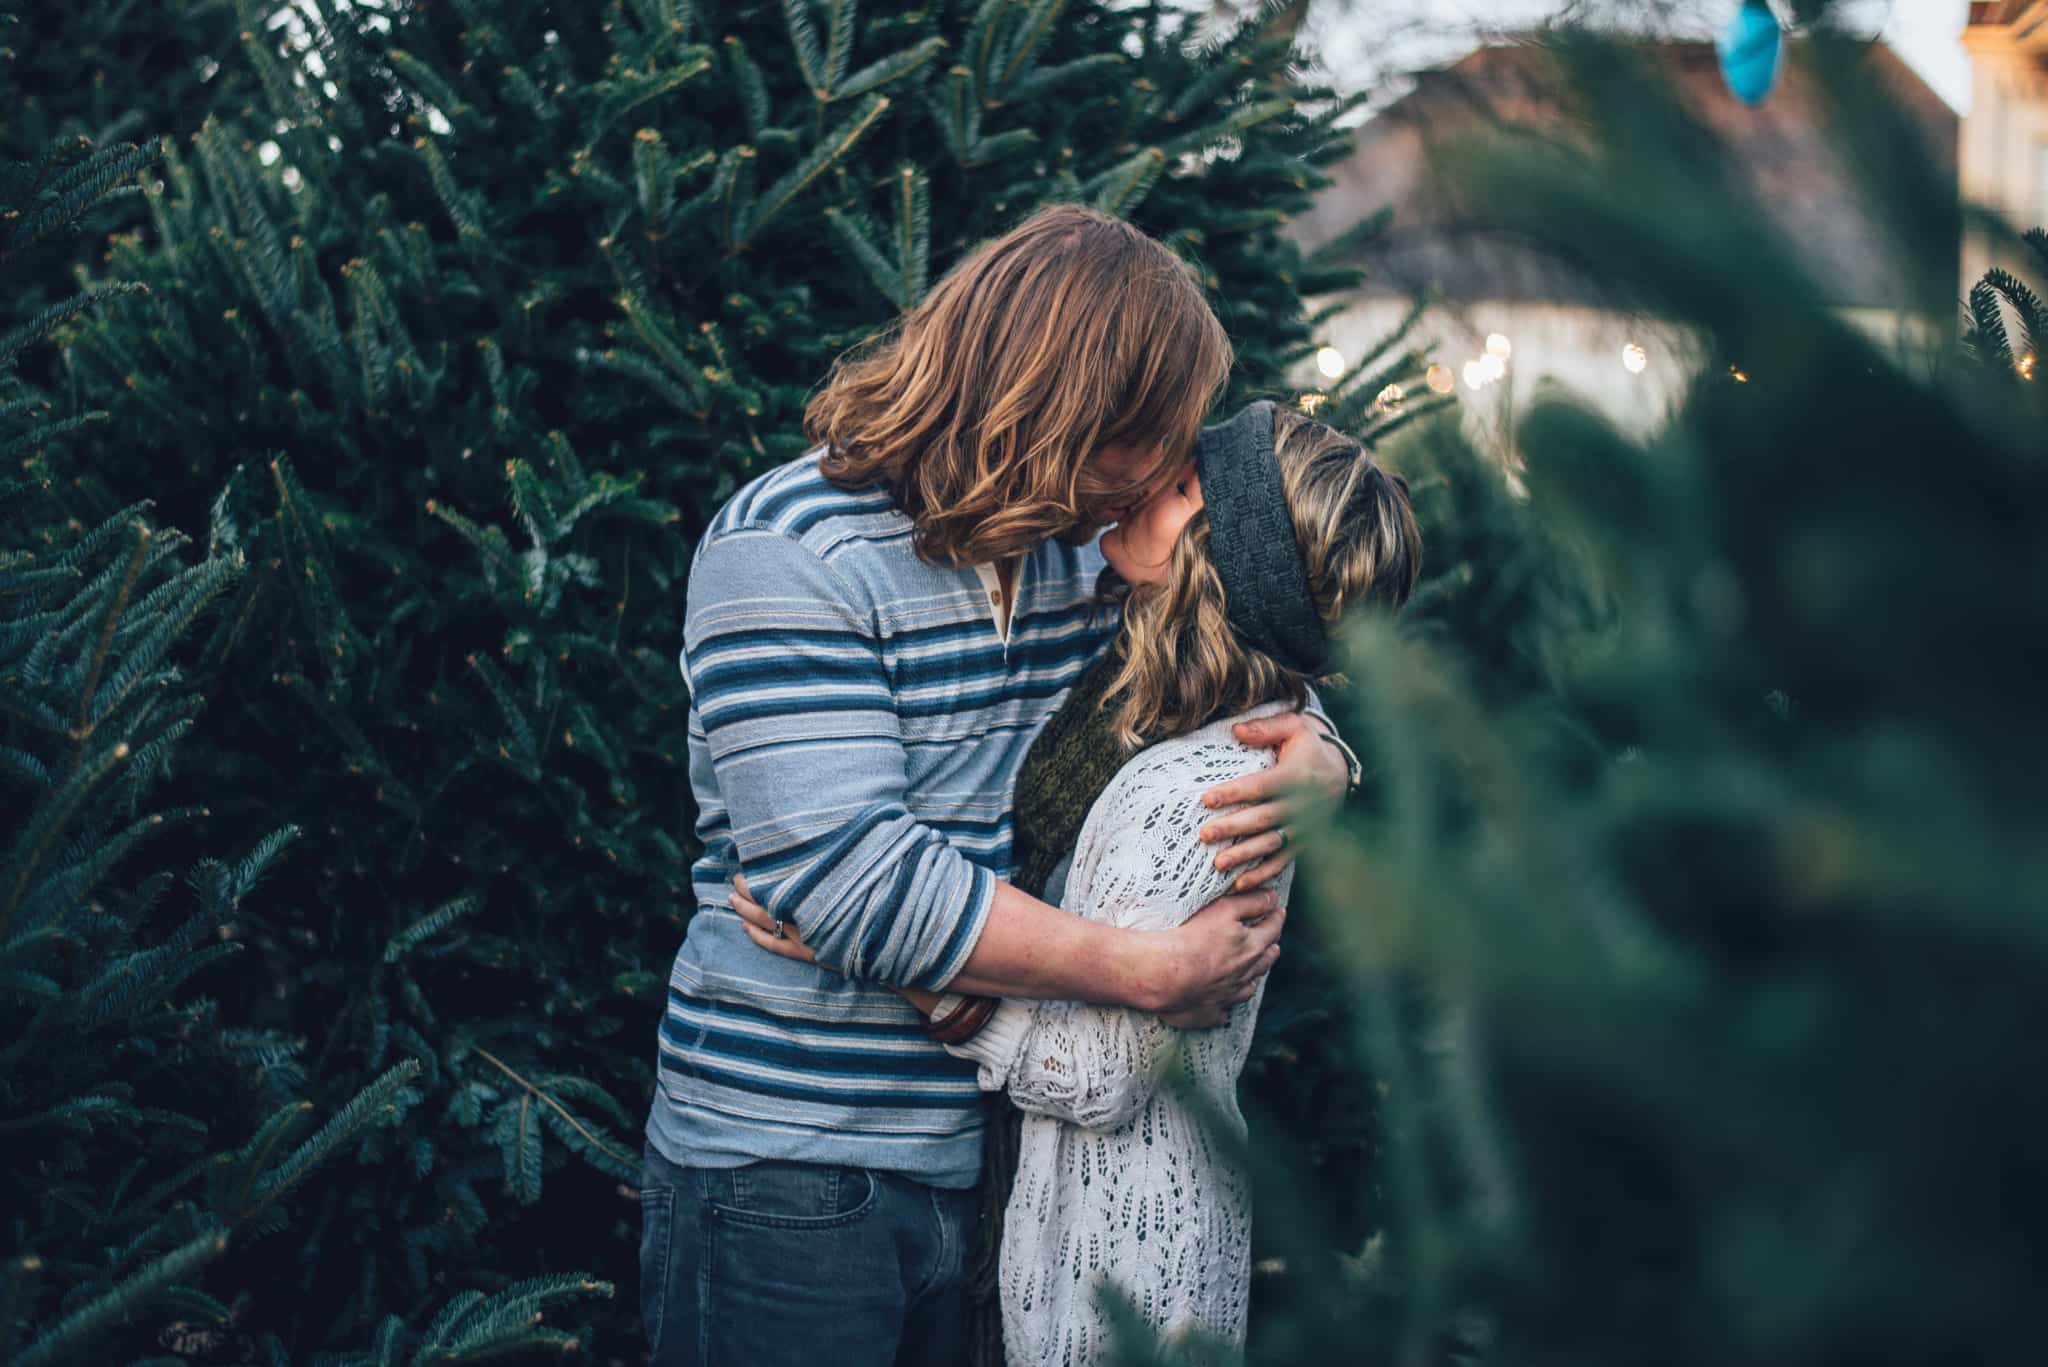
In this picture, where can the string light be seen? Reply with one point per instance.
(1439, 379)
(1311, 401)
(1498, 345)
(1330, 361)
(1634, 359)
(2026, 366)
(1391, 396)
(1488, 368)
(1738, 374)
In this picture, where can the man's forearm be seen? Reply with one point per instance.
(1029, 948)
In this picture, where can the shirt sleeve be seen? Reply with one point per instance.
(1314, 708)
(1097, 1066)
(788, 683)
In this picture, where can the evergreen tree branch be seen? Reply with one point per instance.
(887, 276)
(63, 1340)
(888, 70)
(427, 926)
(110, 622)
(839, 29)
(1123, 186)
(384, 1096)
(803, 41)
(19, 337)
(1030, 34)
(537, 1093)
(67, 197)
(827, 154)
(50, 818)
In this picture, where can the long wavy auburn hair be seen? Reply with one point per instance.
(980, 409)
(1181, 664)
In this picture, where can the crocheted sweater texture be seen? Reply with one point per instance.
(1121, 1182)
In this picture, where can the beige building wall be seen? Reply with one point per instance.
(1581, 349)
(1632, 370)
(2003, 161)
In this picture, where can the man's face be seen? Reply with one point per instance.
(1117, 465)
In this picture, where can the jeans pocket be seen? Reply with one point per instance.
(797, 1196)
(657, 1247)
(802, 1264)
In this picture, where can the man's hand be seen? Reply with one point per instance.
(1309, 771)
(780, 937)
(1215, 958)
(1189, 976)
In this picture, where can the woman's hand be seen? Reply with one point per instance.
(777, 937)
(1309, 771)
(760, 926)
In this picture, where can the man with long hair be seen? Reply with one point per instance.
(874, 634)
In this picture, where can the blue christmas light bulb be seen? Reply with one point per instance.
(1749, 48)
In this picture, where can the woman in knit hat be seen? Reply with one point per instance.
(1230, 582)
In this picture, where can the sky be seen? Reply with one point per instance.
(1364, 40)
(1926, 34)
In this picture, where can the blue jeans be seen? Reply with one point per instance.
(802, 1264)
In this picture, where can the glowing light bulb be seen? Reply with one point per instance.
(1475, 375)
(1439, 379)
(1330, 361)
(2026, 366)
(1391, 396)
(1499, 345)
(1634, 358)
(1311, 401)
(1492, 367)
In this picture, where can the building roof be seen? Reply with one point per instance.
(1781, 150)
(2007, 11)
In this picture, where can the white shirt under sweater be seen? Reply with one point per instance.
(1117, 1178)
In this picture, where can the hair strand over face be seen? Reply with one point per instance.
(980, 409)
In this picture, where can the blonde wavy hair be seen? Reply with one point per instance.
(979, 410)
(1181, 665)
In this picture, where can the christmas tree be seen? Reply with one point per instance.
(145, 1133)
(456, 344)
(1709, 1022)
(94, 74)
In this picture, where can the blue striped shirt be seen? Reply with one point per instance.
(856, 726)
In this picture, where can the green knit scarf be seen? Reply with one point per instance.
(1069, 765)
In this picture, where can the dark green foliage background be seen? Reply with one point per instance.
(146, 1132)
(1672, 993)
(458, 396)
(1706, 988)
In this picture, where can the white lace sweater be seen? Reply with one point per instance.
(1117, 1178)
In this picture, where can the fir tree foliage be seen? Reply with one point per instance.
(127, 1090)
(1714, 1034)
(89, 70)
(2007, 322)
(526, 292)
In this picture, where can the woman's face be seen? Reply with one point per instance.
(1141, 546)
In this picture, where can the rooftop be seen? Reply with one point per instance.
(2009, 11)
(1781, 150)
